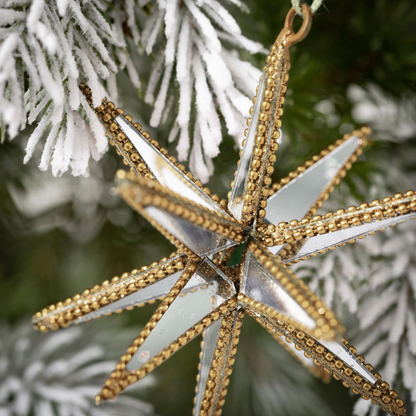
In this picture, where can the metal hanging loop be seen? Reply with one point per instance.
(306, 24)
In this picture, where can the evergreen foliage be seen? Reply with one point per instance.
(60, 235)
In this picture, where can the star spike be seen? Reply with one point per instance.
(299, 355)
(248, 196)
(320, 233)
(290, 199)
(141, 153)
(147, 159)
(270, 288)
(302, 250)
(219, 347)
(130, 290)
(183, 315)
(342, 362)
(194, 229)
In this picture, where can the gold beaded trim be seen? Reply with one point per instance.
(363, 134)
(222, 365)
(379, 393)
(327, 326)
(352, 217)
(221, 258)
(122, 378)
(107, 113)
(289, 251)
(268, 123)
(152, 193)
(64, 313)
(317, 371)
(129, 196)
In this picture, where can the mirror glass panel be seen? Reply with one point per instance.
(262, 287)
(211, 288)
(198, 239)
(321, 242)
(210, 343)
(236, 202)
(164, 170)
(155, 291)
(293, 201)
(350, 359)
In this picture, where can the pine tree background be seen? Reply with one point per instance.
(357, 66)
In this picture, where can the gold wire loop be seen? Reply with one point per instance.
(306, 24)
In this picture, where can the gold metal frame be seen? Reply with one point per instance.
(141, 190)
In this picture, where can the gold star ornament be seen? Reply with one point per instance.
(206, 286)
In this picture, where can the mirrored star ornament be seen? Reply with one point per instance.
(206, 286)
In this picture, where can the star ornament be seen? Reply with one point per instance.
(207, 286)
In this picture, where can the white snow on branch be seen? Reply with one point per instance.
(48, 48)
(371, 285)
(391, 118)
(211, 79)
(60, 373)
(393, 345)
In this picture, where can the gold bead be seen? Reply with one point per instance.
(268, 94)
(270, 82)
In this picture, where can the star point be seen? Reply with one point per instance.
(202, 290)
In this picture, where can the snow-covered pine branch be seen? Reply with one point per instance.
(211, 78)
(48, 47)
(337, 278)
(390, 117)
(388, 314)
(60, 373)
(373, 282)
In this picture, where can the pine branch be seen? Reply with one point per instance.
(53, 47)
(59, 374)
(210, 77)
(388, 311)
(392, 118)
(49, 48)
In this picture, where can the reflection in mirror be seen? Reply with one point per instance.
(159, 288)
(299, 354)
(198, 239)
(213, 288)
(293, 201)
(236, 201)
(261, 286)
(339, 349)
(153, 292)
(224, 356)
(350, 359)
(210, 343)
(319, 243)
(275, 249)
(166, 173)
